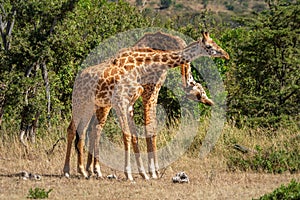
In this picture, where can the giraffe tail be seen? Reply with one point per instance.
(76, 141)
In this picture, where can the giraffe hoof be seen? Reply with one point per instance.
(145, 176)
(98, 174)
(82, 172)
(157, 172)
(129, 176)
(98, 177)
(90, 173)
(153, 175)
(85, 175)
(67, 175)
(66, 171)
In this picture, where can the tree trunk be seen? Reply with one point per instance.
(6, 26)
(47, 88)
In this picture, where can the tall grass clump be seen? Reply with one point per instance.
(271, 151)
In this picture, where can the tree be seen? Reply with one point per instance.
(48, 43)
(263, 79)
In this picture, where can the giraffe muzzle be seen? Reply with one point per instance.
(207, 101)
(199, 98)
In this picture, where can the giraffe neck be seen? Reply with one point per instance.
(146, 60)
(171, 59)
(193, 51)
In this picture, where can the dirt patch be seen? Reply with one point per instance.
(207, 181)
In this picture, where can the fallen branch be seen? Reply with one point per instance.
(49, 152)
(243, 149)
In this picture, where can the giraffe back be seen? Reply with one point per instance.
(161, 41)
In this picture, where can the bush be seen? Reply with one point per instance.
(272, 160)
(291, 192)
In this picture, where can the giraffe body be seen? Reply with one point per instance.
(117, 83)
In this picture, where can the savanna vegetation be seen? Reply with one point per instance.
(43, 44)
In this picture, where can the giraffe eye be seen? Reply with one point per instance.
(208, 46)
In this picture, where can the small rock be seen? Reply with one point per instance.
(25, 176)
(180, 177)
(112, 176)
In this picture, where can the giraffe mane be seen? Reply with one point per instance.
(173, 42)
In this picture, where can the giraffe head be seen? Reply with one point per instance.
(212, 48)
(197, 93)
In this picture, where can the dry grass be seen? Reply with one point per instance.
(209, 178)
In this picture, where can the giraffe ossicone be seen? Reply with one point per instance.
(117, 83)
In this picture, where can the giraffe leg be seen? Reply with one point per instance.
(150, 97)
(136, 150)
(127, 167)
(124, 109)
(79, 145)
(151, 147)
(121, 111)
(101, 114)
(134, 135)
(91, 145)
(71, 134)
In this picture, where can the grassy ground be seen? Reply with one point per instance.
(206, 182)
(209, 177)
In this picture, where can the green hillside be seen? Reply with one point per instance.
(218, 6)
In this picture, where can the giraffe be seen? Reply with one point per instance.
(117, 83)
(163, 41)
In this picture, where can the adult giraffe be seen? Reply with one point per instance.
(118, 83)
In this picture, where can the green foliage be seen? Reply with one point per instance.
(291, 192)
(263, 77)
(38, 193)
(57, 35)
(272, 160)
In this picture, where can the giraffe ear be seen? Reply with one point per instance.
(204, 38)
(205, 34)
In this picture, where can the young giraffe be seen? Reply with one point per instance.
(118, 83)
(158, 41)
(161, 41)
(194, 91)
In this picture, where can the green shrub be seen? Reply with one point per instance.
(291, 192)
(38, 193)
(285, 157)
(271, 161)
